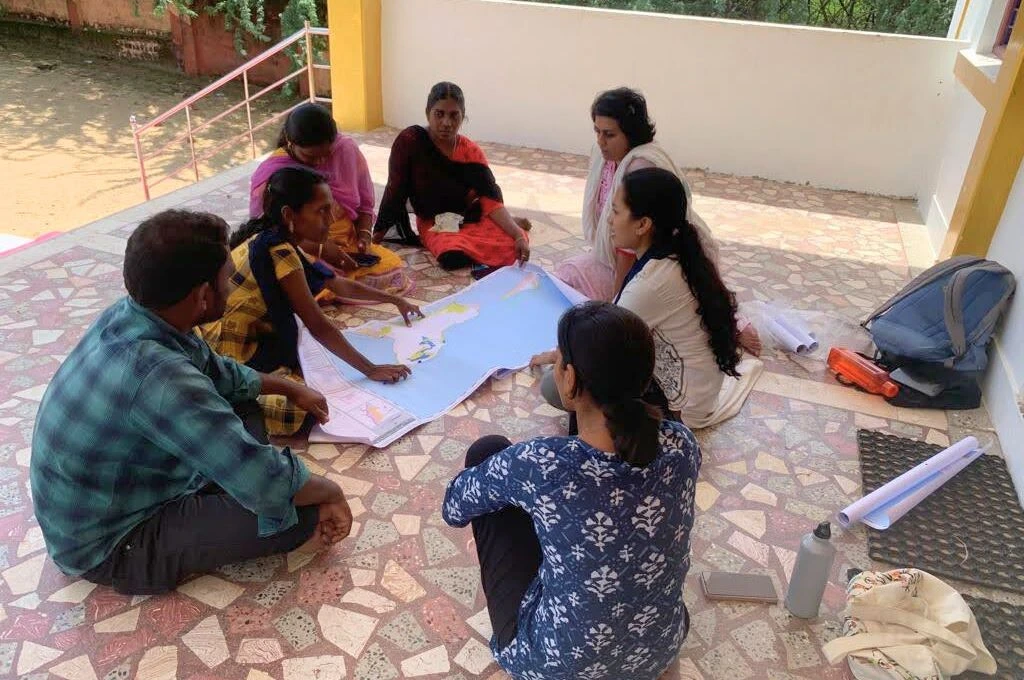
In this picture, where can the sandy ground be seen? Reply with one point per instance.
(66, 151)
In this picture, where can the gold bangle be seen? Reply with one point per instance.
(320, 253)
(365, 231)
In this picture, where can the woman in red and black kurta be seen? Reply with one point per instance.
(439, 171)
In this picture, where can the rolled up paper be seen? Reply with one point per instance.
(795, 328)
(884, 517)
(782, 336)
(882, 507)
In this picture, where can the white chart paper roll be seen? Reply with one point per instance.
(883, 506)
(790, 335)
(800, 332)
(786, 339)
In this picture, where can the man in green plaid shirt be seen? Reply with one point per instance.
(143, 471)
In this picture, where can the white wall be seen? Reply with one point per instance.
(957, 11)
(987, 17)
(962, 135)
(1006, 370)
(980, 25)
(836, 109)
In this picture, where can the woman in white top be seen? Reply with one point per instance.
(675, 287)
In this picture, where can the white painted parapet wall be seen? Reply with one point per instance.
(836, 109)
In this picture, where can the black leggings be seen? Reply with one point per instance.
(508, 550)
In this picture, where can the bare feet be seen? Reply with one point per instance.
(314, 544)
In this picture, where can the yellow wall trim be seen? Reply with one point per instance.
(971, 76)
(996, 159)
(963, 15)
(356, 86)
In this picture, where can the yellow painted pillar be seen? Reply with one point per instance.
(355, 63)
(996, 159)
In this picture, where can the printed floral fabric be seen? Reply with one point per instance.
(608, 600)
(865, 581)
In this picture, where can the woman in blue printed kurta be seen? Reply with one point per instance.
(584, 542)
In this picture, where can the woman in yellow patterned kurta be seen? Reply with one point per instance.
(273, 282)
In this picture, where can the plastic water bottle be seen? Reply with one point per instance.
(853, 368)
(811, 572)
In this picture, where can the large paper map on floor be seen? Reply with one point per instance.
(495, 324)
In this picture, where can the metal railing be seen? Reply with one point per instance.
(310, 68)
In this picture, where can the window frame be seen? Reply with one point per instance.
(1010, 16)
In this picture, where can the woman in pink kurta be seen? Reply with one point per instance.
(310, 139)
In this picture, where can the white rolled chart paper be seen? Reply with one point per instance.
(790, 336)
(881, 508)
(782, 336)
(795, 328)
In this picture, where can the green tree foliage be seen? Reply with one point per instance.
(295, 15)
(293, 18)
(916, 17)
(247, 19)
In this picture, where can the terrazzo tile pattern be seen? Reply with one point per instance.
(401, 597)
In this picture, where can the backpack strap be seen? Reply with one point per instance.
(954, 308)
(989, 320)
(923, 279)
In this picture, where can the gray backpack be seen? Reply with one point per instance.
(945, 316)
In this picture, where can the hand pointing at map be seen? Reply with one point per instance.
(388, 373)
(408, 310)
(522, 250)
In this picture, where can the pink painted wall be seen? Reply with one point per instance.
(216, 54)
(202, 46)
(118, 15)
(48, 9)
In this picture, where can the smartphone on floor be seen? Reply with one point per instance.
(365, 259)
(721, 585)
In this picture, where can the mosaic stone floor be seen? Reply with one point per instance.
(400, 598)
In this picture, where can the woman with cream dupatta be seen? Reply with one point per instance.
(625, 142)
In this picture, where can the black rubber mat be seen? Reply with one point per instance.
(1003, 633)
(972, 529)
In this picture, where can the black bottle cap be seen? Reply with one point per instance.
(824, 531)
